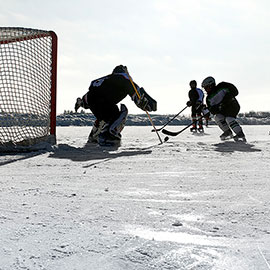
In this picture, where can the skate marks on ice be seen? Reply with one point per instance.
(191, 240)
(155, 256)
(92, 151)
(159, 249)
(232, 146)
(178, 248)
(263, 257)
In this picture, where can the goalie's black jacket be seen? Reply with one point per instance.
(110, 89)
(221, 99)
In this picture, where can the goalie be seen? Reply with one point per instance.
(102, 98)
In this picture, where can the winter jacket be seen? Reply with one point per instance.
(221, 100)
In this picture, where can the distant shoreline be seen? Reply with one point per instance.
(87, 119)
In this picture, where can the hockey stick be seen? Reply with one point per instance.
(171, 133)
(137, 93)
(159, 129)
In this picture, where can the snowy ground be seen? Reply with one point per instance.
(191, 203)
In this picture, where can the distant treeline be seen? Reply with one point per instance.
(69, 118)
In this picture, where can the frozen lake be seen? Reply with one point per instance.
(193, 202)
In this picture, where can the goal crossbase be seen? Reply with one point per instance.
(29, 145)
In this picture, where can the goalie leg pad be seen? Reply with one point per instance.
(110, 133)
(96, 130)
(118, 125)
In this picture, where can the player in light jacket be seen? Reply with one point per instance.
(196, 97)
(222, 103)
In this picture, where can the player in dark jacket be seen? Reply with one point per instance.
(102, 98)
(224, 106)
(196, 97)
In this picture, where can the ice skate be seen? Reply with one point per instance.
(240, 137)
(226, 135)
(200, 129)
(108, 139)
(193, 129)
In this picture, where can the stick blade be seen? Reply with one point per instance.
(167, 132)
(157, 129)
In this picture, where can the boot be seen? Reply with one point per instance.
(200, 129)
(226, 135)
(193, 129)
(106, 138)
(240, 137)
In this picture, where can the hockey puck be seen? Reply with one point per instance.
(166, 139)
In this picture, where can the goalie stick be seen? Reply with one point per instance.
(137, 93)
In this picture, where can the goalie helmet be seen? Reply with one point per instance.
(120, 69)
(209, 81)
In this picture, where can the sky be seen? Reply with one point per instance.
(164, 43)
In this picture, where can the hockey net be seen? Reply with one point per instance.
(27, 88)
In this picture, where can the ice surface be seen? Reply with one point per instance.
(193, 202)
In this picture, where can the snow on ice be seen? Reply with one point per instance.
(193, 202)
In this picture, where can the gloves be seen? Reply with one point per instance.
(78, 104)
(205, 110)
(189, 103)
(145, 102)
(198, 104)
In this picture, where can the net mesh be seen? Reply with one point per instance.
(25, 85)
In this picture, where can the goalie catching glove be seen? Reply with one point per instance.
(144, 102)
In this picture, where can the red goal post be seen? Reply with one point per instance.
(28, 75)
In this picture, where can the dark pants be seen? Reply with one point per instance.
(196, 112)
(103, 109)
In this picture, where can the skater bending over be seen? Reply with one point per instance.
(224, 106)
(102, 98)
(196, 97)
